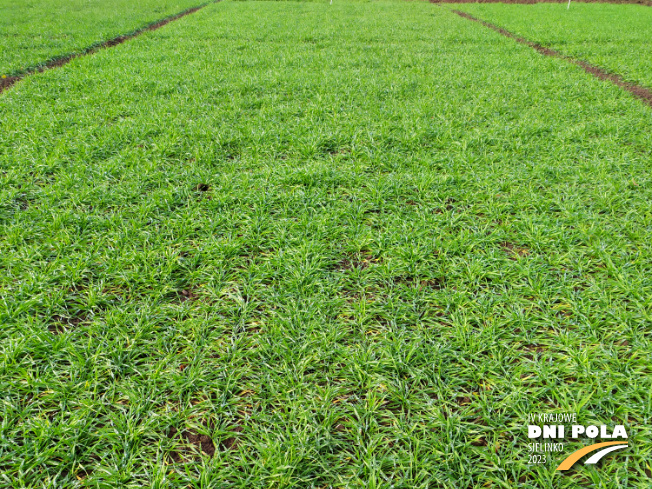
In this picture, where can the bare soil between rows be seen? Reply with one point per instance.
(8, 81)
(643, 93)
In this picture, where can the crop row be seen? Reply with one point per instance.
(35, 32)
(615, 37)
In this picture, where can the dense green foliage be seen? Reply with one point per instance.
(33, 32)
(353, 244)
(615, 37)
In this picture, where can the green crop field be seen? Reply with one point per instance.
(33, 32)
(284, 244)
(615, 37)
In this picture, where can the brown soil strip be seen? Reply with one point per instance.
(647, 3)
(645, 94)
(8, 81)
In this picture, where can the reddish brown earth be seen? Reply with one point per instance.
(645, 94)
(8, 81)
(531, 2)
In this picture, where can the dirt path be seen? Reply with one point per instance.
(645, 94)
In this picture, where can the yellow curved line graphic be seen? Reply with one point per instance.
(575, 456)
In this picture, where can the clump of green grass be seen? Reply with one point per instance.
(301, 245)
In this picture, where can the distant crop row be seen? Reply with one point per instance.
(33, 32)
(615, 37)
